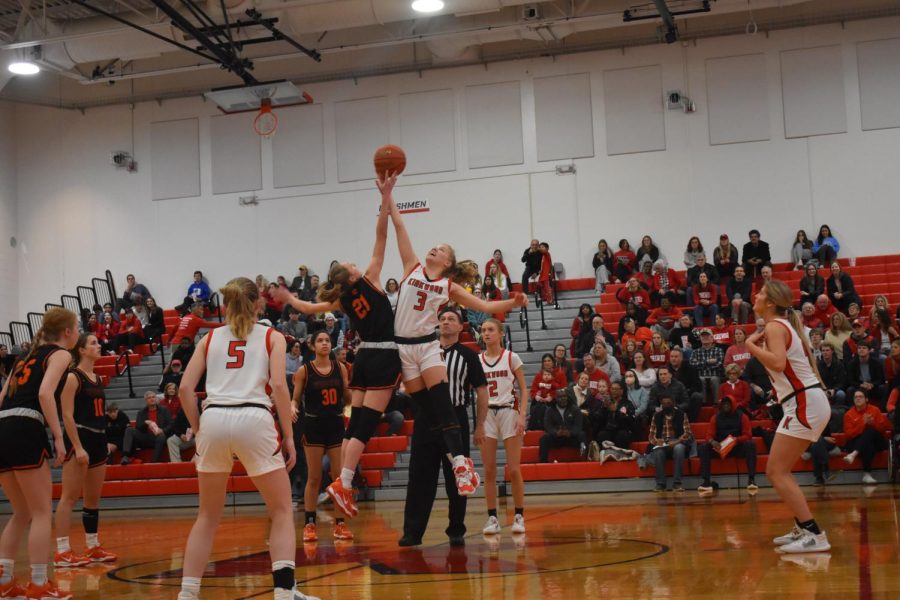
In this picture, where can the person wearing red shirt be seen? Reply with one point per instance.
(623, 261)
(106, 333)
(657, 351)
(824, 309)
(892, 365)
(738, 353)
(489, 289)
(864, 428)
(722, 332)
(496, 259)
(191, 323)
(666, 283)
(645, 275)
(594, 374)
(170, 400)
(737, 388)
(543, 394)
(634, 293)
(663, 319)
(581, 321)
(546, 274)
(706, 297)
(727, 422)
(131, 333)
(642, 336)
(808, 313)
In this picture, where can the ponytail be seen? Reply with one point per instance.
(240, 296)
(464, 272)
(333, 288)
(55, 322)
(780, 295)
(795, 321)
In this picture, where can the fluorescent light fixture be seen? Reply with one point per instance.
(24, 68)
(427, 6)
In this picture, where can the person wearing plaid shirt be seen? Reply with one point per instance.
(670, 435)
(709, 360)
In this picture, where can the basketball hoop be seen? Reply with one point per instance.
(265, 122)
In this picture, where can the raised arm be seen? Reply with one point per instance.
(373, 272)
(404, 245)
(283, 295)
(459, 295)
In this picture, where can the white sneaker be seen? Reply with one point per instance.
(301, 596)
(518, 525)
(492, 527)
(705, 490)
(792, 536)
(851, 457)
(808, 542)
(868, 479)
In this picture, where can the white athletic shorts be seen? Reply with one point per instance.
(805, 415)
(501, 424)
(248, 432)
(415, 358)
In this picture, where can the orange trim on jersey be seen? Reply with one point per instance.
(405, 277)
(377, 387)
(800, 392)
(372, 285)
(45, 456)
(320, 373)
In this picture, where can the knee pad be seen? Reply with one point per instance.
(90, 518)
(354, 421)
(368, 422)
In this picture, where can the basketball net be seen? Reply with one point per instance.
(266, 123)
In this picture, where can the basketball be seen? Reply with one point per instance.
(389, 159)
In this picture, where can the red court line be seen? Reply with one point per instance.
(865, 572)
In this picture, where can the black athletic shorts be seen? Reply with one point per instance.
(323, 432)
(376, 369)
(93, 443)
(23, 444)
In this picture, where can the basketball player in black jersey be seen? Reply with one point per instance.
(27, 406)
(83, 403)
(323, 387)
(376, 370)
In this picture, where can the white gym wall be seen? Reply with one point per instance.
(761, 151)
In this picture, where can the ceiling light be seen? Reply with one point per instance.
(24, 68)
(427, 6)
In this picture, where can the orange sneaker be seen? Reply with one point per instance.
(68, 560)
(467, 480)
(343, 498)
(12, 591)
(98, 555)
(48, 591)
(342, 532)
(309, 533)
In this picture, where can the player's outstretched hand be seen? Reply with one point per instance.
(520, 299)
(281, 294)
(386, 185)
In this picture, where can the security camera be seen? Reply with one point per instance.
(674, 98)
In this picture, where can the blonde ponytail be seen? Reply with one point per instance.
(333, 288)
(240, 296)
(54, 323)
(780, 295)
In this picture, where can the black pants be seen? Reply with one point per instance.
(819, 451)
(620, 437)
(868, 444)
(299, 473)
(536, 411)
(548, 441)
(135, 439)
(746, 449)
(427, 458)
(826, 255)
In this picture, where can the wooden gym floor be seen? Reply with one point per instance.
(629, 545)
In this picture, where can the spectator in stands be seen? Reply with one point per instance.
(274, 307)
(532, 257)
(631, 331)
(693, 277)
(629, 347)
(825, 310)
(646, 375)
(765, 275)
(735, 388)
(308, 293)
(670, 436)
(130, 332)
(563, 427)
(191, 323)
(840, 288)
(663, 319)
(198, 291)
(761, 391)
(501, 281)
(881, 303)
(665, 284)
(648, 252)
(561, 364)
(756, 255)
(667, 385)
(602, 265)
(543, 394)
(581, 322)
(293, 327)
(838, 333)
(116, 424)
(579, 393)
(489, 290)
(392, 290)
(181, 436)
(858, 335)
(618, 418)
(708, 359)
(292, 364)
(634, 293)
(812, 285)
(728, 422)
(172, 374)
(624, 261)
(854, 312)
(108, 309)
(170, 399)
(605, 362)
(337, 336)
(892, 365)
(684, 336)
(184, 351)
(657, 351)
(140, 311)
(585, 341)
(834, 377)
(802, 250)
(723, 333)
(340, 355)
(133, 292)
(631, 387)
(737, 353)
(826, 247)
(149, 431)
(865, 373)
(156, 324)
(645, 275)
(635, 314)
(739, 292)
(864, 428)
(475, 318)
(107, 333)
(819, 452)
(301, 281)
(496, 268)
(809, 318)
(705, 300)
(594, 374)
(883, 331)
(7, 361)
(694, 249)
(725, 258)
(816, 338)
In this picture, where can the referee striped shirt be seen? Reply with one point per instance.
(464, 373)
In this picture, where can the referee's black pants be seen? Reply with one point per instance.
(427, 457)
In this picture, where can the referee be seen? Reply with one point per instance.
(428, 453)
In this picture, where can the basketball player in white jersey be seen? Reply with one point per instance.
(424, 290)
(505, 422)
(783, 350)
(244, 365)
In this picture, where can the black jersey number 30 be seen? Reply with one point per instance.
(236, 351)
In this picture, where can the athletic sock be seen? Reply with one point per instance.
(492, 512)
(62, 544)
(39, 574)
(347, 478)
(283, 574)
(91, 540)
(810, 526)
(520, 511)
(7, 568)
(310, 517)
(190, 588)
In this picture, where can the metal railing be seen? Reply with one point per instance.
(125, 367)
(50, 305)
(103, 292)
(111, 283)
(73, 303)
(6, 339)
(524, 324)
(87, 296)
(21, 332)
(35, 320)
(215, 305)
